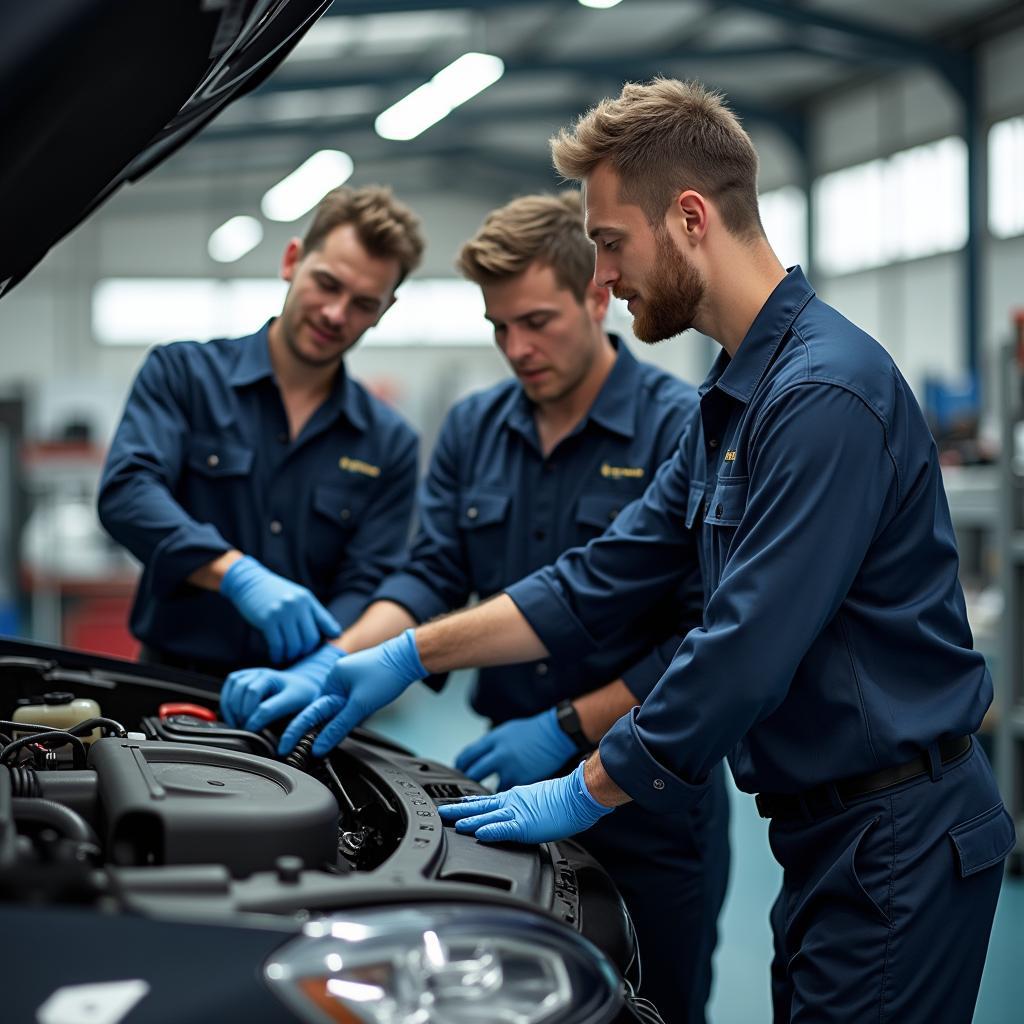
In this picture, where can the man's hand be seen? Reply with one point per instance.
(253, 697)
(521, 751)
(540, 813)
(357, 686)
(290, 618)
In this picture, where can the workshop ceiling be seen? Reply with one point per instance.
(771, 57)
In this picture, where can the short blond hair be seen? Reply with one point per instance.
(387, 228)
(532, 229)
(661, 138)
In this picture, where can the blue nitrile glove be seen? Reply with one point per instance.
(520, 751)
(251, 698)
(290, 618)
(541, 813)
(357, 686)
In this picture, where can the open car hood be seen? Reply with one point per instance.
(94, 93)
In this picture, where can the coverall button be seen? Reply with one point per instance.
(472, 512)
(613, 513)
(713, 443)
(213, 460)
(283, 437)
(542, 669)
(718, 511)
(345, 513)
(275, 526)
(658, 783)
(539, 535)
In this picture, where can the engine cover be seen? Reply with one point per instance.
(169, 803)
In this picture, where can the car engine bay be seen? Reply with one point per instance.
(154, 806)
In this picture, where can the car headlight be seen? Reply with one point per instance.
(450, 963)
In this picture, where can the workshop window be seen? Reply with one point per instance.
(1006, 178)
(146, 311)
(784, 218)
(907, 206)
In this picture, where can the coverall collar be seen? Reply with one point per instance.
(615, 407)
(254, 365)
(740, 375)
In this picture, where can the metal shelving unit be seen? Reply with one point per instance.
(1010, 728)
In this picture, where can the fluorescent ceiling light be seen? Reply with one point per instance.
(234, 238)
(297, 194)
(600, 5)
(448, 89)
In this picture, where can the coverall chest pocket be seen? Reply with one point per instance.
(595, 513)
(722, 514)
(484, 524)
(215, 472)
(337, 511)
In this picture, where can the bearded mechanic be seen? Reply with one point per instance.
(520, 473)
(834, 665)
(264, 490)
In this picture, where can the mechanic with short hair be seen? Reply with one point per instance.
(265, 491)
(524, 471)
(834, 665)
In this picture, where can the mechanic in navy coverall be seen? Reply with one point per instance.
(522, 472)
(265, 491)
(834, 665)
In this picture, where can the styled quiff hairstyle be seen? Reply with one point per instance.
(662, 138)
(532, 229)
(387, 228)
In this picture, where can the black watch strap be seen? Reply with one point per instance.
(569, 722)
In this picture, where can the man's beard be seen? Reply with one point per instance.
(671, 299)
(291, 341)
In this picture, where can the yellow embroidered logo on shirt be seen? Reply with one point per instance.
(358, 466)
(730, 456)
(616, 472)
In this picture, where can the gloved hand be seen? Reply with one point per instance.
(520, 751)
(541, 813)
(290, 618)
(253, 697)
(357, 686)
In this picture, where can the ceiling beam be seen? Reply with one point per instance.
(853, 39)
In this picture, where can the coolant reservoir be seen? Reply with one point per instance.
(59, 711)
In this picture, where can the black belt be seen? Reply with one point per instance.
(832, 797)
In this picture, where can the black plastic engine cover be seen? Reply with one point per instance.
(168, 803)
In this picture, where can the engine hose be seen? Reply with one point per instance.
(98, 723)
(24, 781)
(107, 724)
(57, 816)
(77, 746)
(300, 756)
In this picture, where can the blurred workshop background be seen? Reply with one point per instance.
(891, 138)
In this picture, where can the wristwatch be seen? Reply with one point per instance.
(569, 722)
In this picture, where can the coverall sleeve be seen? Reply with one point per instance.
(642, 676)
(136, 498)
(820, 477)
(435, 577)
(379, 542)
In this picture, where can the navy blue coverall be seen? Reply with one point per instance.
(203, 462)
(493, 508)
(834, 645)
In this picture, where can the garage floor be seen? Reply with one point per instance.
(439, 725)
